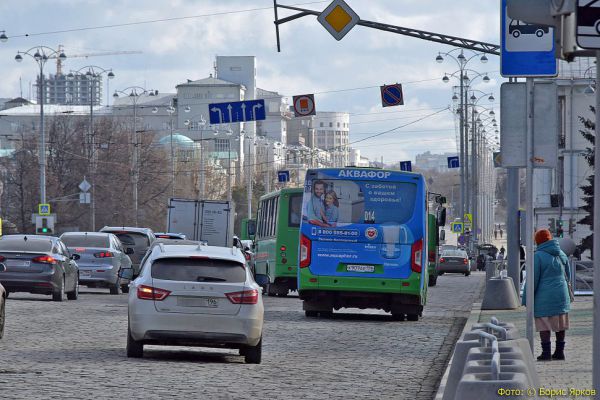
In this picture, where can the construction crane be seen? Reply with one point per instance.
(86, 55)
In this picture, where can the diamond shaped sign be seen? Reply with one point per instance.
(84, 185)
(338, 18)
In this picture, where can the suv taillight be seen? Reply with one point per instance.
(243, 297)
(465, 261)
(416, 255)
(45, 260)
(151, 293)
(305, 246)
(104, 254)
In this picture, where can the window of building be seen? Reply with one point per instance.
(321, 124)
(331, 124)
(221, 145)
(338, 124)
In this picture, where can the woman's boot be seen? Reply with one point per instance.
(559, 352)
(546, 352)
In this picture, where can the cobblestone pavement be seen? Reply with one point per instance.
(76, 350)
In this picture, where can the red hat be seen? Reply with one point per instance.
(543, 235)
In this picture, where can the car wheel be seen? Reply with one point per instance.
(272, 290)
(135, 349)
(253, 354)
(125, 288)
(467, 273)
(539, 33)
(516, 34)
(59, 293)
(2, 318)
(115, 289)
(75, 293)
(412, 317)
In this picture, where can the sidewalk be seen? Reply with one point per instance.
(573, 373)
(576, 371)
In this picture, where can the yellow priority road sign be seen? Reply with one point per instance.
(338, 18)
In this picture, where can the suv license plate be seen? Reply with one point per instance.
(360, 268)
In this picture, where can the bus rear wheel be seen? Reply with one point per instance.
(398, 316)
(311, 314)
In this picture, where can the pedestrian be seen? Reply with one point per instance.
(495, 234)
(501, 233)
(551, 294)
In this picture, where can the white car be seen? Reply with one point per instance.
(195, 295)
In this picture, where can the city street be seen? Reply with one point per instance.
(76, 349)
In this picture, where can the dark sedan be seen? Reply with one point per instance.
(454, 261)
(40, 265)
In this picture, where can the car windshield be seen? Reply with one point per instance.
(84, 240)
(198, 270)
(30, 244)
(454, 253)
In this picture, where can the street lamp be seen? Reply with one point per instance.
(170, 110)
(41, 54)
(134, 92)
(3, 37)
(92, 74)
(462, 62)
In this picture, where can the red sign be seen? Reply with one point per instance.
(304, 105)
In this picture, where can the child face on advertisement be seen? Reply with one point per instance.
(329, 199)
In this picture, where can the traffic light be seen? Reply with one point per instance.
(559, 229)
(44, 225)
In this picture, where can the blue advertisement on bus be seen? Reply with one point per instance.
(363, 221)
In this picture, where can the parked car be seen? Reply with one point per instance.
(194, 295)
(102, 255)
(2, 304)
(454, 261)
(138, 239)
(169, 235)
(39, 264)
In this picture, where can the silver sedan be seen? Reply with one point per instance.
(102, 256)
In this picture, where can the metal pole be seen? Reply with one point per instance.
(461, 208)
(596, 246)
(202, 171)
(92, 154)
(135, 161)
(229, 170)
(42, 138)
(249, 170)
(529, 214)
(467, 163)
(474, 177)
(512, 226)
(172, 156)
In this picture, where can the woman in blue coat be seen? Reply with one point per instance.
(551, 294)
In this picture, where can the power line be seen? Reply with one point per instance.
(152, 21)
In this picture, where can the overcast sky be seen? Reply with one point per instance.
(344, 75)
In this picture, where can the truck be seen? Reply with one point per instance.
(210, 221)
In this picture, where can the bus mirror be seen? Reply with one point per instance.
(442, 217)
(251, 228)
(442, 235)
(442, 200)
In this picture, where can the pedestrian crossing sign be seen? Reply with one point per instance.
(44, 209)
(456, 227)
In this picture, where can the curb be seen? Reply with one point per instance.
(473, 319)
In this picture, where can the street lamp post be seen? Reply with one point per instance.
(170, 110)
(134, 93)
(462, 62)
(92, 74)
(41, 54)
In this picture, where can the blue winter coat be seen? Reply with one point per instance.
(550, 286)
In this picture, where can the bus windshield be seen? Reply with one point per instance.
(338, 202)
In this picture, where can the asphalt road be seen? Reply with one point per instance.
(76, 350)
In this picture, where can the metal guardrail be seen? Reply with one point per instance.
(582, 276)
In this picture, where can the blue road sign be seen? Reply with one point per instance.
(456, 227)
(405, 166)
(453, 162)
(391, 95)
(283, 176)
(527, 49)
(237, 111)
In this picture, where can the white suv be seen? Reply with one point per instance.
(195, 295)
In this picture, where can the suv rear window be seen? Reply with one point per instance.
(198, 270)
(20, 244)
(85, 241)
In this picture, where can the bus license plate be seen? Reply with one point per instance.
(360, 268)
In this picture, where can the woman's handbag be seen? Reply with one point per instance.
(569, 284)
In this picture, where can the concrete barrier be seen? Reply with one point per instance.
(500, 294)
(486, 386)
